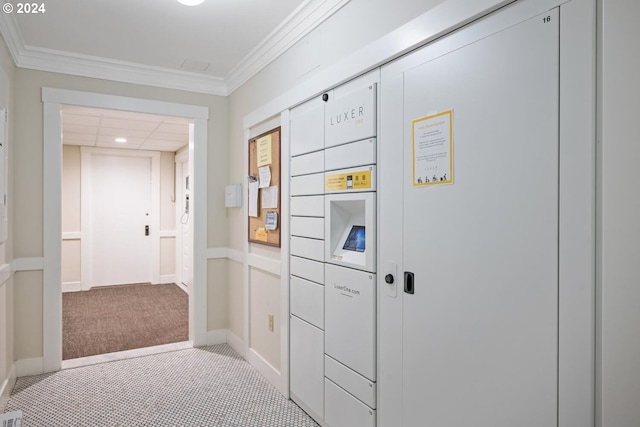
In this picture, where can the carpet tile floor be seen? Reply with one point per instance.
(207, 386)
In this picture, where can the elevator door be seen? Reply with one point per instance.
(480, 330)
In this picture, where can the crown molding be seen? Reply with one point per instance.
(120, 71)
(299, 23)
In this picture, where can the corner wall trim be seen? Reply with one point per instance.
(71, 287)
(267, 370)
(7, 387)
(167, 278)
(236, 255)
(217, 253)
(237, 344)
(217, 336)
(28, 264)
(26, 367)
(263, 263)
(5, 273)
(71, 235)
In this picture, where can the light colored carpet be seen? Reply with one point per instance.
(208, 386)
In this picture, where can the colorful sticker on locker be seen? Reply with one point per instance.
(358, 180)
(432, 140)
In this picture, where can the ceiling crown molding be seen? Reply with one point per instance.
(299, 23)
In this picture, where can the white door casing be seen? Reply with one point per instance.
(184, 241)
(53, 100)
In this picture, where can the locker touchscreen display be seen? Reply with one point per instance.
(355, 240)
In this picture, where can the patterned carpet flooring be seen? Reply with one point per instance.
(207, 386)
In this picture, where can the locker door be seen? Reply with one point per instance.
(480, 330)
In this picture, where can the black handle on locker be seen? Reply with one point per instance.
(408, 282)
(146, 230)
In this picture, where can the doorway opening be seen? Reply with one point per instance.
(126, 230)
(53, 102)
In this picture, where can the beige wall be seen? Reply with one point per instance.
(265, 300)
(7, 288)
(28, 162)
(217, 294)
(71, 212)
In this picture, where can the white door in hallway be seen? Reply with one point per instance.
(120, 212)
(480, 329)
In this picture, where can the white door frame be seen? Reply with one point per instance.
(86, 155)
(180, 159)
(53, 99)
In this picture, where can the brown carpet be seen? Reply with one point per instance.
(116, 318)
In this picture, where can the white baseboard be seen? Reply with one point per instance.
(71, 287)
(183, 287)
(236, 343)
(219, 336)
(266, 370)
(6, 387)
(167, 278)
(26, 367)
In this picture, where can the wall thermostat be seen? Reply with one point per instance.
(233, 196)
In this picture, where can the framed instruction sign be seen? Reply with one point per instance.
(432, 141)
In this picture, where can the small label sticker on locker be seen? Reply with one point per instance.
(358, 180)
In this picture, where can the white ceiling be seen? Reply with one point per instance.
(210, 48)
(99, 128)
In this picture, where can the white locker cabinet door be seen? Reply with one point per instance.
(307, 227)
(307, 164)
(344, 410)
(480, 330)
(307, 206)
(307, 127)
(350, 381)
(350, 323)
(351, 117)
(307, 269)
(307, 301)
(307, 185)
(354, 154)
(306, 366)
(307, 248)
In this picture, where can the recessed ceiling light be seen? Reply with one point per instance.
(121, 140)
(190, 2)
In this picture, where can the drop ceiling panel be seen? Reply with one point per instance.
(173, 128)
(134, 125)
(84, 120)
(164, 136)
(96, 127)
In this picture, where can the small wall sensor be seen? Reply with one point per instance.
(325, 97)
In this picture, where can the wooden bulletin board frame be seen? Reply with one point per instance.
(256, 223)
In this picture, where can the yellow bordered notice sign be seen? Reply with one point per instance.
(432, 140)
(357, 180)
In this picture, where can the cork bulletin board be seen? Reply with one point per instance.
(264, 188)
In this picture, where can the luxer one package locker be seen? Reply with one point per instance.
(333, 255)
